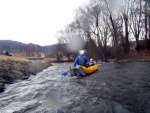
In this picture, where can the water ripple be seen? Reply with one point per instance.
(49, 92)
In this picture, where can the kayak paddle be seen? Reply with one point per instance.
(64, 73)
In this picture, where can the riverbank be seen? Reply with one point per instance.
(14, 68)
(133, 57)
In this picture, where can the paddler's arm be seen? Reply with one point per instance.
(75, 62)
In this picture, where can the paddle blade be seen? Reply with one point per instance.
(64, 73)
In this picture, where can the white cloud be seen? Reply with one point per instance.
(35, 21)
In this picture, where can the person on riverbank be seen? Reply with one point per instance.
(80, 60)
(6, 53)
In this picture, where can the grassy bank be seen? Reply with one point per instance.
(133, 56)
(13, 68)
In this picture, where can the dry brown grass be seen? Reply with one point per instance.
(4, 58)
(137, 56)
(49, 60)
(24, 59)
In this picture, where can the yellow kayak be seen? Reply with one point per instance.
(90, 69)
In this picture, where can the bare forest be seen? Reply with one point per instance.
(107, 29)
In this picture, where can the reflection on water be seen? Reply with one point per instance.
(115, 88)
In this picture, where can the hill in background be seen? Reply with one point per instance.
(19, 47)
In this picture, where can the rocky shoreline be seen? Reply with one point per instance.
(11, 70)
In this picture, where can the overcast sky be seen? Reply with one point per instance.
(35, 21)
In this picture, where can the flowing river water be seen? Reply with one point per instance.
(114, 88)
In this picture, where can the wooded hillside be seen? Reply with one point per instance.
(18, 47)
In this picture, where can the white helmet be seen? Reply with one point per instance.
(81, 52)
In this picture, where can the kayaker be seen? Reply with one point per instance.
(81, 60)
(92, 62)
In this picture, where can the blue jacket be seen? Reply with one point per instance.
(81, 60)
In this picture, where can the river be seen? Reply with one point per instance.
(114, 88)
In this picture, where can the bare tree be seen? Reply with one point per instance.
(125, 12)
(84, 23)
(136, 20)
(57, 50)
(114, 25)
(147, 24)
(90, 22)
(31, 49)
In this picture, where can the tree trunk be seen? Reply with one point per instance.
(127, 44)
(149, 25)
(137, 42)
(58, 59)
(105, 54)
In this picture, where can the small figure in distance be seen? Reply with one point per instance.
(6, 53)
